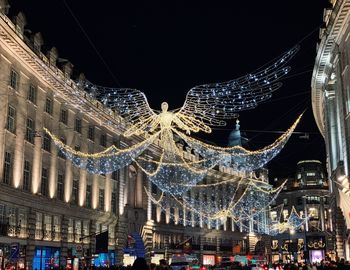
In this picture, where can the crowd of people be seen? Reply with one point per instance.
(141, 264)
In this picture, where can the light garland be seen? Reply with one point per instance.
(239, 200)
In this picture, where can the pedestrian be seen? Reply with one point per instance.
(140, 264)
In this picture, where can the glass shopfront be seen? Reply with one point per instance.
(46, 258)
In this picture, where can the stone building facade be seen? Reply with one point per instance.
(308, 193)
(330, 99)
(51, 211)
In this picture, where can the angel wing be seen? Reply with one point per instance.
(211, 103)
(130, 104)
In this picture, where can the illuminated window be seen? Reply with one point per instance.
(285, 214)
(273, 215)
(313, 212)
(310, 174)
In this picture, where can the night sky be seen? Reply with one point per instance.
(164, 48)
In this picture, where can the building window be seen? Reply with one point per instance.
(91, 133)
(14, 79)
(114, 202)
(60, 153)
(30, 130)
(47, 143)
(75, 191)
(27, 175)
(115, 175)
(77, 126)
(88, 196)
(86, 230)
(310, 174)
(11, 119)
(313, 212)
(44, 181)
(7, 168)
(47, 227)
(64, 116)
(60, 186)
(49, 106)
(78, 227)
(101, 199)
(39, 226)
(32, 92)
(299, 176)
(285, 214)
(285, 201)
(103, 140)
(313, 199)
(273, 215)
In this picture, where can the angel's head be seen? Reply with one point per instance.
(164, 107)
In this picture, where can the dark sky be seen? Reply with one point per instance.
(164, 48)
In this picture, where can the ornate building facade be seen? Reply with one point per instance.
(308, 193)
(51, 211)
(330, 100)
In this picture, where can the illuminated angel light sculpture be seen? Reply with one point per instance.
(205, 106)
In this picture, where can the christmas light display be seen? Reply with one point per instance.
(240, 199)
(205, 106)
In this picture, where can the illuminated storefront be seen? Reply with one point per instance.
(46, 258)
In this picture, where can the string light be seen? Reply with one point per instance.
(205, 105)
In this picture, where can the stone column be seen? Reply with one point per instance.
(108, 193)
(82, 187)
(121, 190)
(138, 189)
(149, 202)
(36, 170)
(21, 124)
(95, 191)
(37, 156)
(131, 188)
(53, 172)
